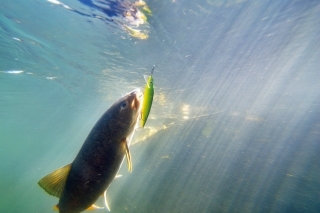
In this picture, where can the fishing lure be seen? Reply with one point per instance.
(147, 99)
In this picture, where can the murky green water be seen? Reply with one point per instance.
(235, 123)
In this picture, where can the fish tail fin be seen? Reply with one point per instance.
(55, 182)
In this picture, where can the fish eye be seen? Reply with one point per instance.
(123, 105)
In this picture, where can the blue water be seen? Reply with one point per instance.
(235, 123)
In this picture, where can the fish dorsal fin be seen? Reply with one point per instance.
(146, 78)
(54, 182)
(128, 156)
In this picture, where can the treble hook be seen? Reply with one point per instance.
(153, 69)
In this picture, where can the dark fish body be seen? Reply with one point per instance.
(99, 159)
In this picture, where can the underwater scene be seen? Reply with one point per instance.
(132, 106)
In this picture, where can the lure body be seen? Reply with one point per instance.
(147, 100)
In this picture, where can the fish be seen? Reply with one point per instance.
(147, 99)
(79, 184)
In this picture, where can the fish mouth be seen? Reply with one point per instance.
(137, 97)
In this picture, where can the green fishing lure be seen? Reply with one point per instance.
(147, 99)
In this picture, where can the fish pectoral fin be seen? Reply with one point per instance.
(94, 207)
(128, 156)
(55, 182)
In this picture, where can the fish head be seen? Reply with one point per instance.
(125, 112)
